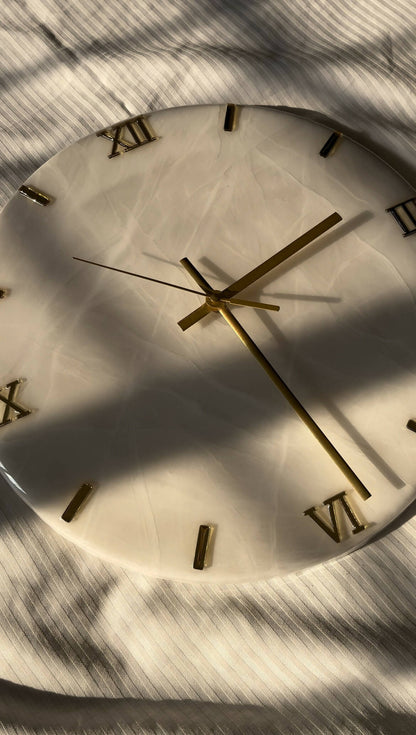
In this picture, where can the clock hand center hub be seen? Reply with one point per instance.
(213, 300)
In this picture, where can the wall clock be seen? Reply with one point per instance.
(239, 401)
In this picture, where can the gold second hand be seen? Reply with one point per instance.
(238, 302)
(296, 405)
(136, 275)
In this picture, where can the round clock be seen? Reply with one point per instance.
(209, 341)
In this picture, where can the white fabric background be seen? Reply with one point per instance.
(86, 647)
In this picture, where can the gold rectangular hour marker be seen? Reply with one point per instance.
(331, 144)
(405, 215)
(3, 293)
(202, 544)
(79, 499)
(39, 197)
(128, 135)
(411, 424)
(337, 505)
(13, 409)
(231, 118)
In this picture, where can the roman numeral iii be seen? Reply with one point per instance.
(332, 518)
(128, 135)
(405, 216)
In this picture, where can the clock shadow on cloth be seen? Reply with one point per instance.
(23, 706)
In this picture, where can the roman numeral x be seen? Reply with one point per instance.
(13, 410)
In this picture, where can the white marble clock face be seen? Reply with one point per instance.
(177, 429)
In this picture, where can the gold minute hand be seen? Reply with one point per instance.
(296, 405)
(218, 305)
(249, 278)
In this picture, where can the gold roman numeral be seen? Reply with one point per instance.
(405, 216)
(128, 135)
(13, 410)
(332, 519)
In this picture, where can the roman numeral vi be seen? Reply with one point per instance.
(333, 522)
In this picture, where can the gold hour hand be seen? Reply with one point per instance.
(261, 270)
(201, 311)
(253, 304)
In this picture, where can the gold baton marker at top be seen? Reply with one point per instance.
(261, 270)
